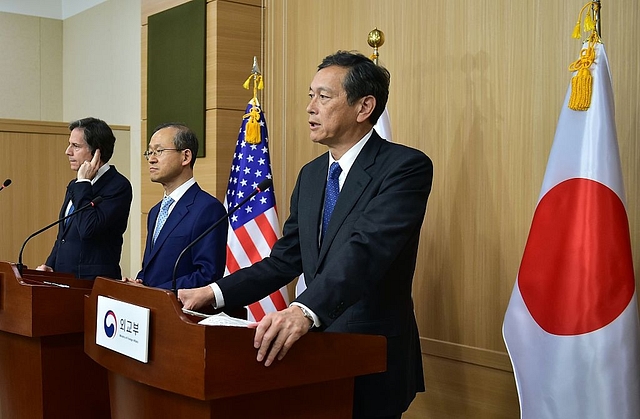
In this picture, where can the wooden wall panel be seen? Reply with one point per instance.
(457, 390)
(478, 86)
(233, 39)
(33, 158)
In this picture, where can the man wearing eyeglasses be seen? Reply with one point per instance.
(89, 244)
(184, 213)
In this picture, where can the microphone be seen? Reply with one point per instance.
(5, 184)
(96, 201)
(262, 186)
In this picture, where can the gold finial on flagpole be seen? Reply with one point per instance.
(256, 76)
(252, 128)
(255, 69)
(375, 40)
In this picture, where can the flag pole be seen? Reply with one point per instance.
(597, 18)
(383, 124)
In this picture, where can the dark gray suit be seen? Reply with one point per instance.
(360, 279)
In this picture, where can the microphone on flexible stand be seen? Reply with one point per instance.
(6, 183)
(96, 201)
(262, 186)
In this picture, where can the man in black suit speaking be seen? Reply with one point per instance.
(89, 244)
(356, 214)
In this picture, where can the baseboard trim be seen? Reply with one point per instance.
(468, 354)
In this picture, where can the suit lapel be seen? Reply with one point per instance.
(63, 211)
(310, 206)
(179, 212)
(104, 180)
(355, 184)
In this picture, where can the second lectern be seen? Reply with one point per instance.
(44, 372)
(198, 371)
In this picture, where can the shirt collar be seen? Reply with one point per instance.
(348, 158)
(101, 171)
(182, 189)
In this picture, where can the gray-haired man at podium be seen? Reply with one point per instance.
(356, 243)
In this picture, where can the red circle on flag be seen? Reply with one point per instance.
(576, 274)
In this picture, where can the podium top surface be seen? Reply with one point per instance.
(41, 303)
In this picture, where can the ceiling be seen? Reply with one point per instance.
(54, 9)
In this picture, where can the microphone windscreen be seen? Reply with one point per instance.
(96, 200)
(265, 184)
(6, 183)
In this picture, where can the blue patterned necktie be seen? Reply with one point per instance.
(162, 216)
(331, 195)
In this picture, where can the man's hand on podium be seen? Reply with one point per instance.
(134, 281)
(277, 332)
(195, 298)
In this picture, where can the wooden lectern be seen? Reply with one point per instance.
(197, 371)
(44, 372)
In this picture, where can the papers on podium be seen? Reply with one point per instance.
(220, 319)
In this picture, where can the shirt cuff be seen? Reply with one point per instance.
(217, 293)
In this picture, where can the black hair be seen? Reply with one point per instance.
(363, 78)
(98, 136)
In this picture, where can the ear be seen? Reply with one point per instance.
(186, 161)
(367, 105)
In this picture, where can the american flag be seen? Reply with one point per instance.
(253, 228)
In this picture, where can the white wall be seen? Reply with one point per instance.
(101, 78)
(30, 68)
(54, 9)
(85, 65)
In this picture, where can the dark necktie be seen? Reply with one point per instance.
(71, 209)
(331, 195)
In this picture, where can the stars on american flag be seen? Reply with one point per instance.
(251, 165)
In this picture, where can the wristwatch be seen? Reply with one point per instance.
(307, 314)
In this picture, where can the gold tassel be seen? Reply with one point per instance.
(246, 83)
(582, 82)
(589, 24)
(581, 86)
(576, 31)
(252, 129)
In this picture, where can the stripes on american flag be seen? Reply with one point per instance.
(253, 228)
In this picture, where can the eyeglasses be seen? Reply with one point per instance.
(157, 153)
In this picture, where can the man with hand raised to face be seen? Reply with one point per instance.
(89, 244)
(353, 230)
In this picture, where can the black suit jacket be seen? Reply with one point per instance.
(90, 244)
(360, 279)
(196, 211)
